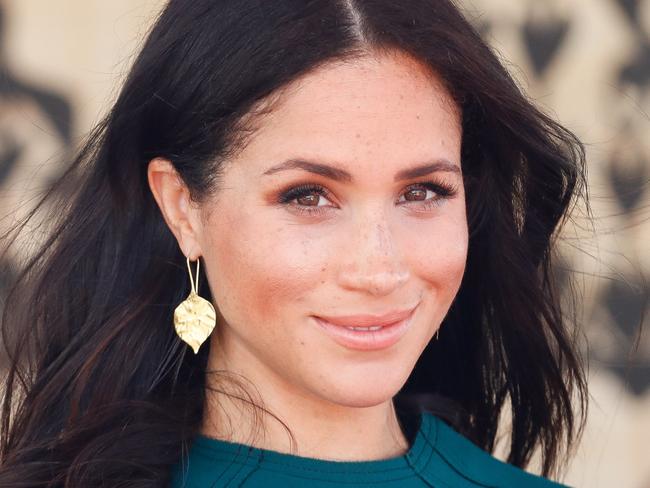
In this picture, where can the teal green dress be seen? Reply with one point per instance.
(438, 457)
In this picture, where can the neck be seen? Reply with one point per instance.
(319, 428)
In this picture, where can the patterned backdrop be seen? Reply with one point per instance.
(586, 62)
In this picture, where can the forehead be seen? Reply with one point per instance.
(386, 107)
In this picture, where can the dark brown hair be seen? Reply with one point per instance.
(101, 392)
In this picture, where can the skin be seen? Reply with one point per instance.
(378, 245)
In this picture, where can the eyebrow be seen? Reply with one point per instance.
(338, 174)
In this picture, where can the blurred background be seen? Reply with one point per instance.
(586, 62)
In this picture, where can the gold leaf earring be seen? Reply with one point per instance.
(194, 318)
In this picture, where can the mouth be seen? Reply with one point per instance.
(366, 332)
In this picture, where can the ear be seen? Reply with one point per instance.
(179, 212)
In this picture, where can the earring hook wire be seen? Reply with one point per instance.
(194, 281)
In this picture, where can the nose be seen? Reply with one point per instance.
(372, 262)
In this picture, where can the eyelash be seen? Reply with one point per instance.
(443, 191)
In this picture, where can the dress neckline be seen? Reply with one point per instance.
(419, 453)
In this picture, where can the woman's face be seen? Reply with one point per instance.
(348, 201)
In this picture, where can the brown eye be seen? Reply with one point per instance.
(415, 194)
(309, 200)
(419, 193)
(427, 194)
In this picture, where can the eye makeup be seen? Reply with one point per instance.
(291, 196)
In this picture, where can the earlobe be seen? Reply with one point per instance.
(173, 199)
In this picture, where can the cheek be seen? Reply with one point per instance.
(437, 253)
(261, 268)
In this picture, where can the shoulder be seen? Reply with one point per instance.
(459, 455)
(213, 463)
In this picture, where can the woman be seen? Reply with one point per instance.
(363, 205)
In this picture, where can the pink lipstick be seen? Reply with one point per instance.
(367, 332)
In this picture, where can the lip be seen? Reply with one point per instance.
(368, 320)
(394, 326)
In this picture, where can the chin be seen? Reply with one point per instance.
(365, 390)
(366, 402)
